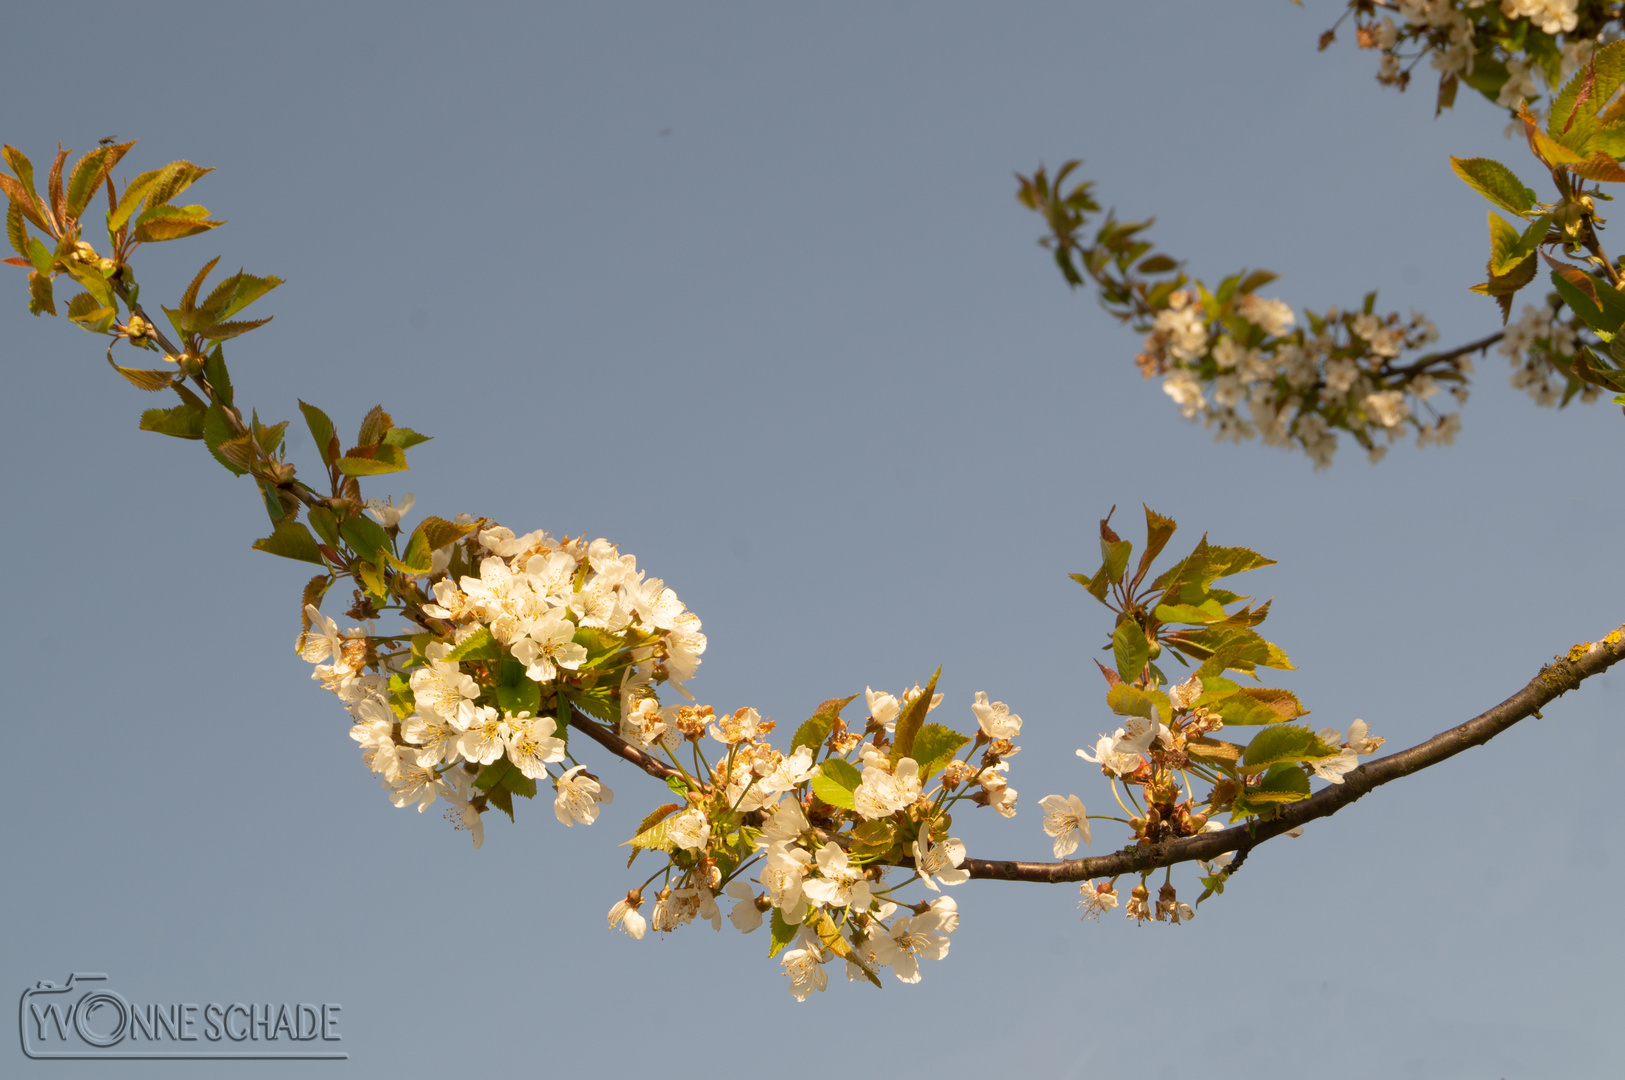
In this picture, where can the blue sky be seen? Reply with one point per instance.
(746, 290)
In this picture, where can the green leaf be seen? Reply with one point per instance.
(782, 934)
(40, 255)
(1508, 247)
(291, 540)
(1203, 614)
(835, 782)
(374, 426)
(935, 746)
(86, 311)
(491, 775)
(321, 429)
(173, 179)
(183, 421)
(325, 524)
(39, 294)
(171, 223)
(403, 437)
(16, 231)
(365, 536)
(82, 183)
(91, 278)
(236, 293)
(134, 192)
(1579, 292)
(651, 834)
(501, 798)
(1096, 585)
(479, 645)
(372, 461)
(1114, 558)
(908, 724)
(678, 785)
(217, 431)
(526, 696)
(1495, 182)
(148, 379)
(813, 732)
(1126, 700)
(214, 370)
(1283, 783)
(520, 784)
(439, 532)
(227, 330)
(418, 557)
(1159, 529)
(1283, 744)
(1255, 706)
(595, 701)
(1131, 649)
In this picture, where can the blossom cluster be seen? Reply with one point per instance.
(805, 841)
(1160, 758)
(1246, 369)
(1532, 46)
(1540, 346)
(472, 716)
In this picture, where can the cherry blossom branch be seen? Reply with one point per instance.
(620, 747)
(1481, 345)
(1564, 674)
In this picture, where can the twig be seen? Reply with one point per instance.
(1555, 679)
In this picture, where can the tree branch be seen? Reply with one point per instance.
(1481, 345)
(1564, 674)
(620, 747)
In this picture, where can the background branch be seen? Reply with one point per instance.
(1553, 680)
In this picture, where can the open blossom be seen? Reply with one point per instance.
(939, 861)
(786, 869)
(625, 915)
(1184, 695)
(881, 793)
(910, 939)
(804, 965)
(412, 783)
(531, 745)
(441, 686)
(745, 915)
(1066, 820)
(743, 726)
(997, 721)
(1274, 316)
(1096, 900)
(455, 785)
(840, 883)
(483, 742)
(690, 829)
(786, 825)
(788, 772)
(579, 797)
(547, 645)
(1387, 407)
(1000, 795)
(883, 708)
(434, 737)
(1331, 769)
(386, 512)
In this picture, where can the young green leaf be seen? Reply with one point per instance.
(935, 746)
(1496, 183)
(291, 540)
(1284, 744)
(908, 724)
